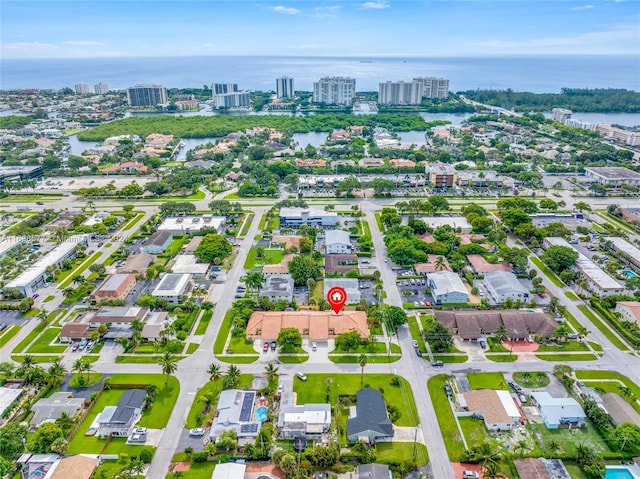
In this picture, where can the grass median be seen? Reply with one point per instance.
(604, 329)
(548, 273)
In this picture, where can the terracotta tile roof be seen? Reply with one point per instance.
(430, 265)
(481, 265)
(318, 325)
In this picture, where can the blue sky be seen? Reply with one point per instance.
(53, 29)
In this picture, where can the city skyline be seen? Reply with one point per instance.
(318, 28)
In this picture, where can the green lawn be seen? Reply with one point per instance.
(571, 295)
(238, 359)
(612, 384)
(197, 471)
(132, 223)
(51, 297)
(474, 431)
(75, 380)
(239, 345)
(30, 337)
(486, 381)
(223, 333)
(314, 390)
(149, 359)
(415, 333)
(211, 389)
(204, 322)
(450, 433)
(531, 379)
(495, 346)
(604, 329)
(565, 346)
(502, 358)
(297, 359)
(567, 357)
(8, 334)
(271, 256)
(158, 416)
(377, 348)
(568, 440)
(451, 358)
(550, 274)
(380, 358)
(192, 348)
(401, 451)
(79, 270)
(247, 224)
(42, 344)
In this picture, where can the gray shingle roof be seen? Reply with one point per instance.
(371, 414)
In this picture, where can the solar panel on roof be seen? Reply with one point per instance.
(249, 428)
(247, 406)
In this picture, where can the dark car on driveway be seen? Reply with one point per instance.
(273, 345)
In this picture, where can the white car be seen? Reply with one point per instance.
(314, 346)
(280, 388)
(196, 432)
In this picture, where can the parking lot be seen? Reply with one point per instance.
(367, 291)
(413, 290)
(10, 317)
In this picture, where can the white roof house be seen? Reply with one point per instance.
(337, 242)
(447, 287)
(34, 276)
(597, 280)
(557, 412)
(502, 285)
(191, 224)
(304, 420)
(229, 470)
(188, 263)
(172, 286)
(453, 221)
(7, 396)
(350, 285)
(7, 244)
(235, 411)
(623, 246)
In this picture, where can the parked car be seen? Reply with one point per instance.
(438, 364)
(140, 430)
(427, 304)
(470, 475)
(265, 346)
(75, 346)
(3, 326)
(301, 376)
(273, 345)
(196, 432)
(39, 203)
(418, 352)
(314, 346)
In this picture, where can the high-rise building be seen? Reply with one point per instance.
(561, 114)
(219, 88)
(237, 99)
(101, 88)
(82, 88)
(146, 95)
(433, 87)
(284, 87)
(399, 93)
(334, 90)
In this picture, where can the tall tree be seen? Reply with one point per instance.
(169, 364)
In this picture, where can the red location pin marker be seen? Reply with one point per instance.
(336, 297)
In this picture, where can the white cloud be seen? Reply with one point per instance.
(287, 10)
(326, 12)
(583, 7)
(619, 38)
(377, 5)
(84, 43)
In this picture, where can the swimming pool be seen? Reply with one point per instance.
(262, 414)
(628, 273)
(620, 472)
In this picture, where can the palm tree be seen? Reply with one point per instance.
(440, 263)
(42, 315)
(65, 422)
(232, 377)
(553, 447)
(169, 364)
(254, 280)
(501, 333)
(214, 372)
(56, 372)
(271, 372)
(362, 361)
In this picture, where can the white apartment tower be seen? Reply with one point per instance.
(433, 87)
(284, 87)
(220, 88)
(561, 114)
(82, 88)
(334, 90)
(101, 88)
(399, 93)
(236, 99)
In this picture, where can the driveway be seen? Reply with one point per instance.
(82, 392)
(197, 443)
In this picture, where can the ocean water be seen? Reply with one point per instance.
(547, 73)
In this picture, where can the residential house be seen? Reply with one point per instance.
(188, 263)
(157, 243)
(373, 471)
(115, 287)
(229, 470)
(48, 409)
(370, 423)
(433, 264)
(235, 411)
(628, 311)
(540, 468)
(277, 287)
(340, 263)
(402, 163)
(371, 162)
(314, 325)
(497, 408)
(308, 420)
(137, 264)
(119, 420)
(74, 330)
(479, 265)
(337, 242)
(79, 466)
(350, 285)
(502, 285)
(172, 287)
(563, 413)
(126, 168)
(154, 324)
(447, 287)
(619, 409)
